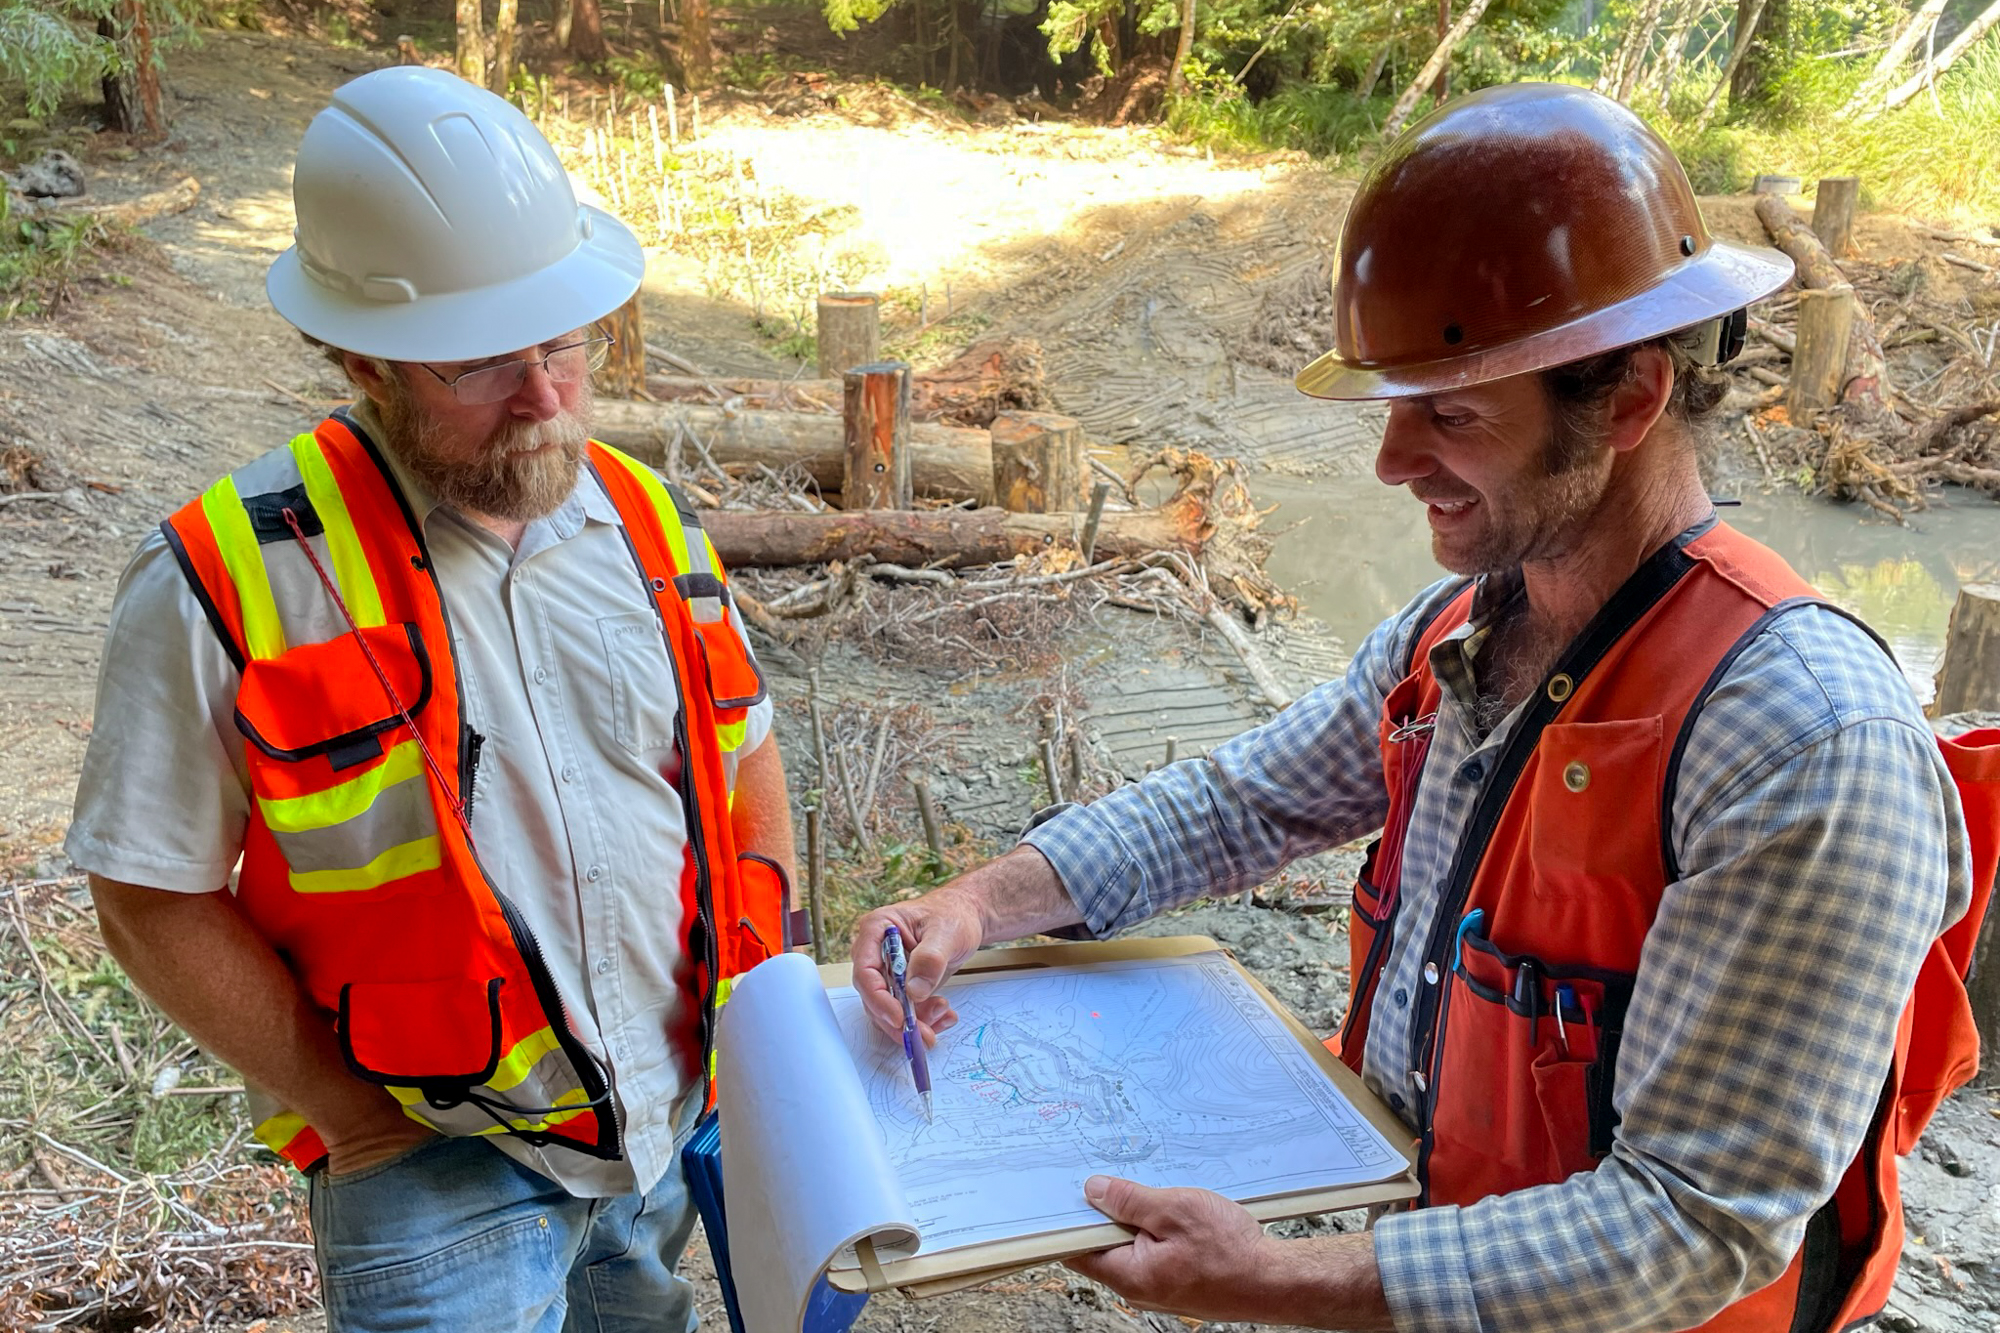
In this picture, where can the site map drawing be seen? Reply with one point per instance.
(1168, 1071)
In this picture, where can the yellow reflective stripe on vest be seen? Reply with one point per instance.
(412, 1098)
(236, 541)
(412, 858)
(347, 800)
(278, 1132)
(343, 543)
(730, 736)
(663, 504)
(518, 1063)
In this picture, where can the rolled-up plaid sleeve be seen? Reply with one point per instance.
(1309, 779)
(1822, 852)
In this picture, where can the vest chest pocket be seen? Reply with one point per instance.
(1593, 808)
(336, 776)
(644, 699)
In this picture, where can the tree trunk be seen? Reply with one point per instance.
(1866, 375)
(565, 16)
(1428, 74)
(697, 45)
(1746, 28)
(1366, 88)
(1039, 464)
(1441, 89)
(134, 98)
(503, 44)
(624, 372)
(586, 30)
(471, 44)
(1945, 59)
(1770, 37)
(848, 331)
(949, 538)
(1968, 675)
(1638, 47)
(945, 463)
(875, 463)
(1176, 79)
(1896, 55)
(1674, 50)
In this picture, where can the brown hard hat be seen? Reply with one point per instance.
(1518, 228)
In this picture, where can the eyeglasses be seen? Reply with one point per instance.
(502, 380)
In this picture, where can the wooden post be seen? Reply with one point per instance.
(1833, 213)
(1098, 494)
(1050, 773)
(850, 332)
(876, 417)
(1826, 317)
(927, 810)
(1968, 675)
(1038, 463)
(624, 374)
(815, 875)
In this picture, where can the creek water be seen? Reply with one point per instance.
(1355, 551)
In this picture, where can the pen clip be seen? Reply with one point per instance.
(1471, 921)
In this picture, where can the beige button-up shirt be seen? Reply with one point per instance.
(563, 670)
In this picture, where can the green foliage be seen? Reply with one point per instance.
(847, 15)
(40, 258)
(49, 49)
(639, 74)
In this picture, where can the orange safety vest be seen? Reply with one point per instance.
(1556, 885)
(358, 863)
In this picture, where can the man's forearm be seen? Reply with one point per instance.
(1017, 894)
(197, 958)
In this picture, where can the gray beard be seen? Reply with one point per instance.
(512, 479)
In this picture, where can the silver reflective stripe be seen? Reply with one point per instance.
(549, 1080)
(401, 813)
(307, 613)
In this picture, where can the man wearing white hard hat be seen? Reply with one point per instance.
(431, 783)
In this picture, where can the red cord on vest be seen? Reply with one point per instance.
(451, 800)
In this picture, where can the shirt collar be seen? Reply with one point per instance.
(587, 503)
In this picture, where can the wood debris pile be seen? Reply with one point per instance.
(1921, 387)
(130, 1195)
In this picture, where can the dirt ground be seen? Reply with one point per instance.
(1158, 283)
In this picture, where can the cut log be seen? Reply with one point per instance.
(624, 373)
(1038, 465)
(1826, 324)
(1833, 213)
(160, 203)
(948, 538)
(946, 463)
(1968, 675)
(1867, 371)
(988, 378)
(850, 332)
(875, 459)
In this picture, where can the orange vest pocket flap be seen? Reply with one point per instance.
(421, 1033)
(326, 698)
(733, 679)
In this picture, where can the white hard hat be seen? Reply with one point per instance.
(436, 224)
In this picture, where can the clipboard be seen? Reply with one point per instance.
(955, 1270)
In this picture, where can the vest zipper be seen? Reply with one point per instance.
(469, 765)
(590, 1074)
(1651, 582)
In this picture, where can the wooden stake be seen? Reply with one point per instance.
(876, 419)
(927, 811)
(1038, 463)
(1050, 773)
(1833, 213)
(1173, 745)
(815, 874)
(1826, 317)
(1968, 674)
(850, 331)
(659, 149)
(624, 374)
(673, 118)
(1098, 493)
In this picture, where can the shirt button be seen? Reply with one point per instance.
(1395, 1101)
(1421, 1083)
(594, 873)
(1402, 997)
(541, 674)
(569, 772)
(603, 966)
(1431, 973)
(1473, 771)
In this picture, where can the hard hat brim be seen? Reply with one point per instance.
(1724, 278)
(587, 284)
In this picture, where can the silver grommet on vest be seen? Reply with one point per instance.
(1560, 687)
(1576, 776)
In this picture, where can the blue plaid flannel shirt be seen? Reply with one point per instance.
(1823, 849)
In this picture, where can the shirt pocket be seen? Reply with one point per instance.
(644, 696)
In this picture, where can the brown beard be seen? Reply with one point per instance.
(513, 477)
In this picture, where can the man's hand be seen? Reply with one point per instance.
(1196, 1253)
(373, 1141)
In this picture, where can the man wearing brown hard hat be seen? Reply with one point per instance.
(1664, 840)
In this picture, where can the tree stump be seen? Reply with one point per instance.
(1968, 675)
(1038, 463)
(624, 374)
(134, 97)
(850, 332)
(1826, 319)
(877, 420)
(1833, 213)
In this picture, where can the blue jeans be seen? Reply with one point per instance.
(456, 1236)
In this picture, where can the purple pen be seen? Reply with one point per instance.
(913, 1040)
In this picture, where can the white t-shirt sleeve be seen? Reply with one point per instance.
(163, 800)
